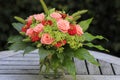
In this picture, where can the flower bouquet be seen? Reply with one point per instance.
(58, 37)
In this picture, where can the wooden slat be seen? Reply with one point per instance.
(21, 58)
(116, 69)
(105, 57)
(18, 67)
(93, 69)
(81, 67)
(14, 72)
(6, 54)
(22, 63)
(106, 68)
(97, 55)
(27, 55)
(67, 77)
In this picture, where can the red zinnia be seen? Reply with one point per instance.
(47, 22)
(60, 43)
(72, 30)
(24, 28)
(35, 36)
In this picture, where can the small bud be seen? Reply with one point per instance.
(39, 45)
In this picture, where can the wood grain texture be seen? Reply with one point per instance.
(20, 72)
(19, 67)
(93, 70)
(106, 68)
(106, 57)
(67, 77)
(11, 67)
(97, 55)
(80, 67)
(116, 69)
(19, 63)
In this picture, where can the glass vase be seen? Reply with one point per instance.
(53, 76)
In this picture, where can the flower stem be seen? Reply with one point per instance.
(44, 6)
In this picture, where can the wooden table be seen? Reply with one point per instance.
(15, 66)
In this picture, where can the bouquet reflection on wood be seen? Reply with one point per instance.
(58, 37)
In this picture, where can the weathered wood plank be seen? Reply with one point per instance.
(97, 55)
(18, 67)
(93, 69)
(20, 58)
(105, 57)
(19, 63)
(116, 69)
(106, 68)
(67, 77)
(81, 67)
(5, 54)
(14, 72)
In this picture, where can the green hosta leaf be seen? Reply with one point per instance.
(85, 24)
(18, 26)
(70, 66)
(13, 39)
(28, 49)
(90, 37)
(20, 19)
(85, 55)
(95, 46)
(18, 46)
(43, 53)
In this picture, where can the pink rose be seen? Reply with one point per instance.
(63, 25)
(79, 30)
(39, 17)
(29, 20)
(29, 32)
(56, 15)
(46, 39)
(38, 28)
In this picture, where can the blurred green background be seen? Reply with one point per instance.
(106, 15)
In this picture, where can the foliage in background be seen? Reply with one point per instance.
(106, 17)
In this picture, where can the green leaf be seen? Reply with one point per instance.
(20, 19)
(51, 11)
(76, 18)
(43, 53)
(90, 37)
(85, 24)
(85, 55)
(44, 6)
(70, 66)
(78, 13)
(29, 49)
(95, 46)
(18, 26)
(18, 46)
(26, 39)
(60, 56)
(13, 39)
(55, 62)
(68, 52)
